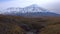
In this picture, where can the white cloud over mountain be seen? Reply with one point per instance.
(52, 5)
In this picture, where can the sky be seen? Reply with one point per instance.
(52, 5)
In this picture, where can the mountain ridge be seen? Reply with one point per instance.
(33, 10)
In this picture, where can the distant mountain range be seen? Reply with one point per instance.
(33, 10)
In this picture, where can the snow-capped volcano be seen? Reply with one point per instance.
(33, 10)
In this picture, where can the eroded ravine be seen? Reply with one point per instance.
(29, 30)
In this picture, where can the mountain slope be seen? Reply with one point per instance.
(30, 11)
(41, 14)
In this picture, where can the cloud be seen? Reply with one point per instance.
(53, 5)
(16, 3)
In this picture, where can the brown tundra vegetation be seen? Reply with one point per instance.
(21, 25)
